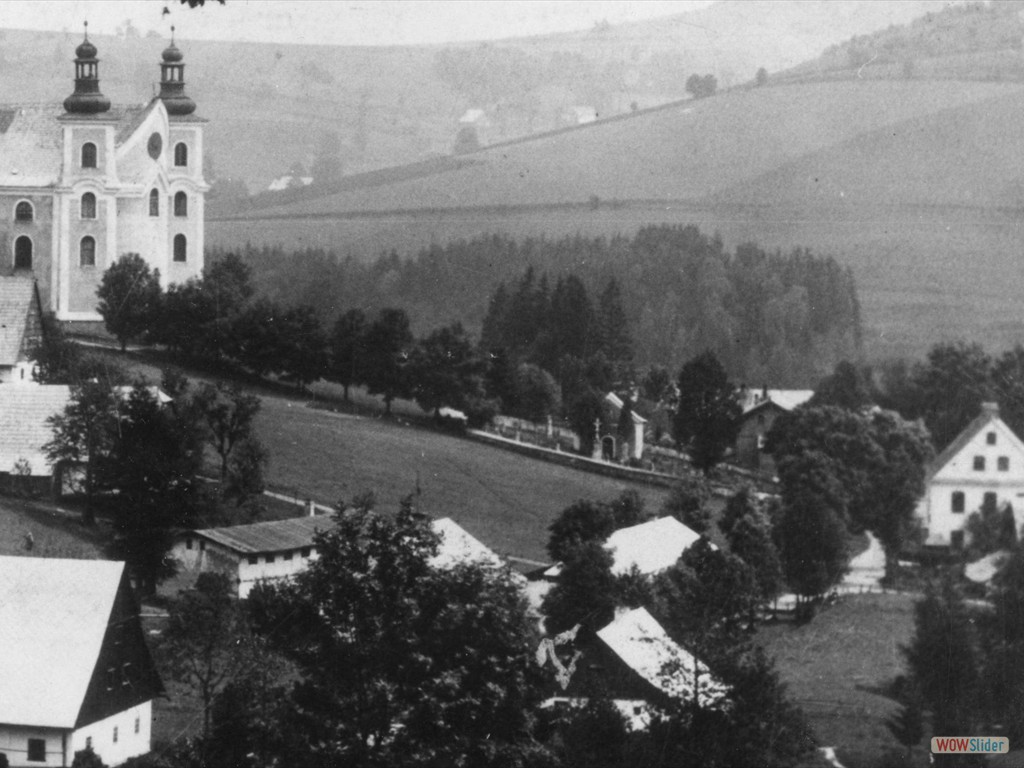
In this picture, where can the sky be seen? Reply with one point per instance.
(337, 22)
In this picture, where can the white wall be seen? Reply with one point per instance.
(14, 744)
(213, 557)
(129, 742)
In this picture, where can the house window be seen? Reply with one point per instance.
(154, 203)
(24, 211)
(305, 551)
(988, 500)
(88, 742)
(115, 734)
(958, 501)
(990, 438)
(979, 463)
(181, 154)
(87, 252)
(270, 558)
(202, 545)
(188, 543)
(88, 206)
(1003, 463)
(253, 559)
(37, 750)
(88, 155)
(180, 204)
(23, 253)
(288, 555)
(138, 723)
(180, 246)
(956, 539)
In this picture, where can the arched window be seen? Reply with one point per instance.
(23, 253)
(87, 252)
(24, 211)
(181, 154)
(180, 204)
(180, 248)
(88, 206)
(154, 203)
(88, 155)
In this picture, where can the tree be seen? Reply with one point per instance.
(751, 540)
(204, 635)
(86, 758)
(761, 78)
(246, 476)
(129, 295)
(612, 325)
(585, 592)
(388, 340)
(580, 523)
(583, 412)
(400, 663)
(688, 501)
(57, 358)
(302, 350)
(226, 287)
(845, 388)
(991, 529)
(466, 140)
(348, 349)
(707, 417)
(535, 394)
(907, 726)
(445, 369)
(701, 87)
(228, 414)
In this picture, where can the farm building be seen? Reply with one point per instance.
(24, 430)
(279, 549)
(760, 410)
(984, 463)
(21, 328)
(75, 671)
(84, 182)
(639, 666)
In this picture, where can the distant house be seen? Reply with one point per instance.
(24, 429)
(289, 182)
(615, 441)
(280, 549)
(984, 463)
(649, 547)
(583, 114)
(641, 668)
(760, 410)
(21, 328)
(74, 667)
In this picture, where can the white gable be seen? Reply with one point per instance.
(961, 464)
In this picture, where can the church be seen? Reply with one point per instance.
(84, 182)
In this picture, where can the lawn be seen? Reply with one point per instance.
(56, 531)
(837, 666)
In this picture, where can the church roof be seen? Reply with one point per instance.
(16, 294)
(24, 411)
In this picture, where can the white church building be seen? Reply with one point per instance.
(85, 182)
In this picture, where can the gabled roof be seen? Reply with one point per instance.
(53, 616)
(651, 547)
(989, 415)
(616, 402)
(457, 546)
(641, 642)
(786, 399)
(24, 411)
(16, 300)
(272, 536)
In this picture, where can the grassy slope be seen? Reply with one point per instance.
(54, 533)
(836, 665)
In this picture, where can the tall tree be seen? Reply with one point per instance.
(580, 523)
(445, 369)
(688, 501)
(129, 295)
(228, 414)
(348, 349)
(612, 324)
(847, 387)
(584, 593)
(707, 417)
(388, 341)
(302, 350)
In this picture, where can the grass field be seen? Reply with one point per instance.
(836, 667)
(56, 532)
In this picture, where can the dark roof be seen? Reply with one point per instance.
(273, 536)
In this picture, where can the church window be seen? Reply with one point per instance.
(180, 248)
(181, 154)
(23, 211)
(23, 253)
(154, 203)
(88, 155)
(88, 206)
(87, 252)
(180, 204)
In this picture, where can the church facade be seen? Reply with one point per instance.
(84, 182)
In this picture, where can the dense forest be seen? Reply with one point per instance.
(781, 318)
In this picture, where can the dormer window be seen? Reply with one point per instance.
(24, 211)
(180, 204)
(154, 203)
(181, 154)
(88, 155)
(88, 206)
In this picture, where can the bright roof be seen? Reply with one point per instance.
(458, 546)
(53, 615)
(641, 642)
(24, 430)
(16, 294)
(652, 546)
(786, 399)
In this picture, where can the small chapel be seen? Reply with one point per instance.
(84, 182)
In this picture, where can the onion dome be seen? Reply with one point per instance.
(87, 99)
(172, 82)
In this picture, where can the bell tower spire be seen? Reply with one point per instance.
(87, 99)
(172, 82)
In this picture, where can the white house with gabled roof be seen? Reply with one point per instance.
(984, 462)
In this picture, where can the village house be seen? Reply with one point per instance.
(615, 440)
(24, 430)
(85, 182)
(75, 671)
(984, 463)
(280, 549)
(21, 328)
(760, 410)
(639, 666)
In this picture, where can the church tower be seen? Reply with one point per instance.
(172, 82)
(87, 99)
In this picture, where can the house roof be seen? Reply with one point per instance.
(989, 414)
(53, 616)
(786, 399)
(616, 402)
(16, 294)
(640, 641)
(24, 411)
(458, 546)
(272, 536)
(652, 546)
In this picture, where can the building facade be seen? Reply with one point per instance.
(85, 182)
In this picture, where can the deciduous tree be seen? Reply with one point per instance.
(348, 349)
(129, 295)
(707, 417)
(388, 342)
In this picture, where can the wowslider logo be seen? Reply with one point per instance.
(974, 745)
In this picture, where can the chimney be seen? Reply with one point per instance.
(990, 408)
(310, 508)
